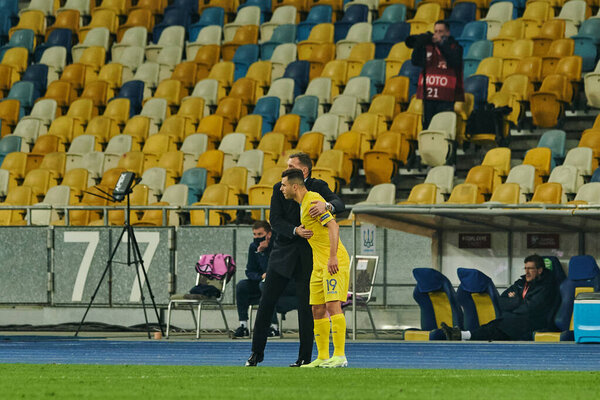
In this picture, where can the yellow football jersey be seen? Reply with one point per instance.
(319, 242)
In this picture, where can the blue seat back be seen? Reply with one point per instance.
(264, 5)
(437, 300)
(588, 51)
(9, 144)
(392, 13)
(195, 179)
(282, 34)
(472, 32)
(209, 16)
(478, 297)
(243, 57)
(307, 107)
(375, 69)
(316, 15)
(411, 71)
(22, 38)
(396, 32)
(38, 74)
(191, 6)
(555, 140)
(590, 28)
(5, 25)
(596, 175)
(268, 108)
(25, 92)
(299, 71)
(462, 13)
(175, 16)
(134, 91)
(58, 37)
(354, 14)
(477, 51)
(477, 85)
(10, 8)
(583, 273)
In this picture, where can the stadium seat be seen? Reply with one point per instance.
(382, 162)
(436, 142)
(472, 32)
(358, 33)
(507, 193)
(588, 193)
(461, 14)
(478, 298)
(551, 30)
(555, 140)
(477, 52)
(423, 193)
(352, 15)
(281, 16)
(510, 32)
(583, 277)
(465, 193)
(437, 301)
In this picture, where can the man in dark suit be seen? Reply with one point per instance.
(291, 258)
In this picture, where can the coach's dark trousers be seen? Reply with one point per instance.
(275, 285)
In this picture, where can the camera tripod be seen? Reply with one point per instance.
(134, 257)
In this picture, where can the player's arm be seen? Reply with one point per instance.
(334, 237)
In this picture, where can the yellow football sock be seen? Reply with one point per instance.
(338, 333)
(322, 337)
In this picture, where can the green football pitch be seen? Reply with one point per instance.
(25, 381)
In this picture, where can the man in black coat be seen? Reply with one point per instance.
(526, 307)
(291, 258)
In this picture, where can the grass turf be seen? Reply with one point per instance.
(156, 382)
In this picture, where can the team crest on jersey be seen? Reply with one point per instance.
(324, 217)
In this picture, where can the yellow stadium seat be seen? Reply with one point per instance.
(396, 57)
(319, 56)
(289, 125)
(551, 30)
(540, 158)
(382, 162)
(39, 180)
(311, 143)
(138, 17)
(9, 115)
(172, 162)
(548, 104)
(557, 50)
(499, 158)
(214, 195)
(465, 193)
(132, 161)
(212, 161)
(155, 147)
(423, 193)
(483, 177)
(511, 30)
(34, 20)
(18, 196)
(251, 126)
(507, 193)
(319, 34)
(332, 167)
(105, 18)
(246, 34)
(547, 193)
(518, 50)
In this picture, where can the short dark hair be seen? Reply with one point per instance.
(304, 159)
(443, 22)
(294, 175)
(261, 224)
(537, 260)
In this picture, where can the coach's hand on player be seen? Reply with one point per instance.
(303, 232)
(317, 208)
(332, 265)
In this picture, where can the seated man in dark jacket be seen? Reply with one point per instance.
(526, 307)
(248, 291)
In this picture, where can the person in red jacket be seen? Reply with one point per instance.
(441, 80)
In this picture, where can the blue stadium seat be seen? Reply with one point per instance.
(210, 16)
(396, 32)
(244, 56)
(25, 92)
(472, 32)
(307, 107)
(285, 33)
(58, 37)
(190, 5)
(316, 15)
(375, 69)
(21, 38)
(477, 85)
(38, 74)
(264, 5)
(9, 144)
(596, 175)
(299, 71)
(195, 179)
(437, 300)
(5, 25)
(354, 14)
(412, 72)
(584, 276)
(134, 91)
(478, 297)
(10, 8)
(478, 51)
(586, 42)
(175, 16)
(391, 15)
(462, 13)
(555, 140)
(268, 108)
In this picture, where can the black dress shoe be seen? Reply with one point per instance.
(299, 362)
(254, 359)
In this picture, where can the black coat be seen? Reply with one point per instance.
(285, 216)
(521, 317)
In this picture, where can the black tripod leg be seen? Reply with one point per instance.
(108, 263)
(137, 261)
(137, 253)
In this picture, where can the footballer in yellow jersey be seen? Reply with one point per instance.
(330, 275)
